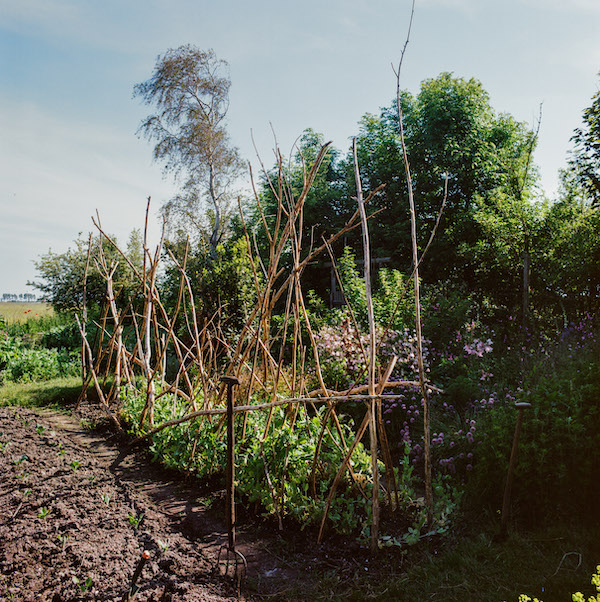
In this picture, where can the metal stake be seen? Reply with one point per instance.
(133, 588)
(231, 381)
(511, 467)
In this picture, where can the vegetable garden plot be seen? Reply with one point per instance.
(157, 373)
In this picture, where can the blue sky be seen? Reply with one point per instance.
(67, 68)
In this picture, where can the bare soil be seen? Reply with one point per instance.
(78, 507)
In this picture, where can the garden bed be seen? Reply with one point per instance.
(78, 508)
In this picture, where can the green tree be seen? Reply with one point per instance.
(509, 217)
(223, 285)
(380, 161)
(451, 132)
(191, 96)
(327, 206)
(585, 158)
(570, 262)
(61, 274)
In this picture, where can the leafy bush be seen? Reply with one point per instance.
(64, 336)
(20, 363)
(223, 284)
(275, 472)
(393, 300)
(473, 422)
(200, 447)
(559, 450)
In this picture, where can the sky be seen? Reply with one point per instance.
(68, 119)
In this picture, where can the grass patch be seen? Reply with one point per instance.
(21, 312)
(58, 392)
(482, 569)
(550, 564)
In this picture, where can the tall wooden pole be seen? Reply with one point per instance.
(372, 402)
(511, 468)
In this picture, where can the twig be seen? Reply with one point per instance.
(415, 256)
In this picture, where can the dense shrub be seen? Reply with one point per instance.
(199, 446)
(22, 363)
(64, 336)
(559, 453)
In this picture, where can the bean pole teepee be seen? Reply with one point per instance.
(136, 335)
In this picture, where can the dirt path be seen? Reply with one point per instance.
(76, 513)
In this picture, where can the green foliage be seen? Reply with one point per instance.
(65, 336)
(290, 495)
(293, 495)
(393, 299)
(568, 264)
(135, 519)
(446, 309)
(585, 159)
(223, 285)
(62, 275)
(451, 131)
(559, 450)
(85, 585)
(19, 363)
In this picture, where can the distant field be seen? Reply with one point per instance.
(21, 312)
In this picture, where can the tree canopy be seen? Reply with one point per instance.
(190, 92)
(585, 158)
(62, 274)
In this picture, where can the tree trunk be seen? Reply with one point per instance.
(214, 238)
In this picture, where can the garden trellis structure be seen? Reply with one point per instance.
(137, 334)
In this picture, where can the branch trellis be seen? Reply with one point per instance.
(136, 336)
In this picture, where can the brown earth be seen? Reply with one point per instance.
(78, 507)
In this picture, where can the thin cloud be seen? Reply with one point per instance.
(590, 6)
(49, 15)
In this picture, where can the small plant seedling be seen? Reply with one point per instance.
(40, 429)
(106, 497)
(3, 446)
(23, 458)
(62, 451)
(26, 493)
(92, 480)
(44, 512)
(75, 464)
(135, 520)
(85, 586)
(163, 545)
(206, 502)
(63, 540)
